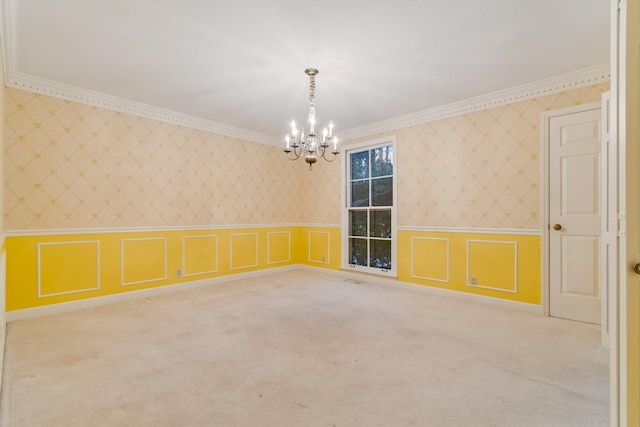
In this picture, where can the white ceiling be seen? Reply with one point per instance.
(241, 63)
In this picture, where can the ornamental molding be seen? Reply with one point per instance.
(14, 79)
(586, 77)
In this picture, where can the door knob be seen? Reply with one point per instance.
(557, 227)
(636, 267)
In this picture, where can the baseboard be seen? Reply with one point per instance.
(64, 307)
(28, 313)
(480, 299)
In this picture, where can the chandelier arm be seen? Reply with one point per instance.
(335, 156)
(297, 152)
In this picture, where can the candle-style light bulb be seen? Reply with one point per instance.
(324, 134)
(288, 138)
(312, 123)
(335, 144)
(330, 129)
(293, 126)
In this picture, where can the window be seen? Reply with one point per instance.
(370, 215)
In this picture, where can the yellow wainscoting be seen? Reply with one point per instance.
(506, 266)
(68, 267)
(321, 247)
(143, 260)
(278, 247)
(493, 264)
(44, 269)
(244, 250)
(436, 265)
(200, 254)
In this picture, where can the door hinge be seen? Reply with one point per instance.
(622, 224)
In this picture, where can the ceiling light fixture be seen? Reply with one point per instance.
(311, 146)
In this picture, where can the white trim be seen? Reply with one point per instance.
(231, 267)
(13, 78)
(328, 247)
(74, 231)
(65, 307)
(155, 279)
(448, 259)
(38, 268)
(447, 293)
(581, 78)
(608, 274)
(469, 230)
(29, 83)
(288, 233)
(361, 146)
(562, 83)
(618, 391)
(184, 253)
(515, 264)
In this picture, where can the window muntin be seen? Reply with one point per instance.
(370, 208)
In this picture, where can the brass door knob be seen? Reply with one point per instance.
(636, 267)
(557, 227)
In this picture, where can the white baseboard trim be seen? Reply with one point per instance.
(64, 307)
(447, 293)
(29, 313)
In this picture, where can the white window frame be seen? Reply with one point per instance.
(346, 151)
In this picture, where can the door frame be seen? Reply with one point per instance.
(546, 181)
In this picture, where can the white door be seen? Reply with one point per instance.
(574, 216)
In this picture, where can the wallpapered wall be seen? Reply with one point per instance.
(69, 165)
(480, 170)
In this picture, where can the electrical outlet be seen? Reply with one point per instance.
(323, 259)
(474, 280)
(178, 272)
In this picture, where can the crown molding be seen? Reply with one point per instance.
(83, 96)
(29, 83)
(13, 78)
(585, 77)
(564, 82)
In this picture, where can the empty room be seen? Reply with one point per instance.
(284, 213)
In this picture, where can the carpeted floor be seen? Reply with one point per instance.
(301, 348)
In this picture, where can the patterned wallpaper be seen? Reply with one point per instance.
(69, 165)
(478, 170)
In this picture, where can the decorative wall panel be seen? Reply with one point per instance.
(430, 258)
(244, 250)
(278, 247)
(68, 267)
(143, 260)
(200, 254)
(319, 247)
(492, 265)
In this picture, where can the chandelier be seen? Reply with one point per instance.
(311, 146)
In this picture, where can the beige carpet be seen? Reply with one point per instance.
(303, 349)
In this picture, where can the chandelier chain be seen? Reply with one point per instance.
(312, 97)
